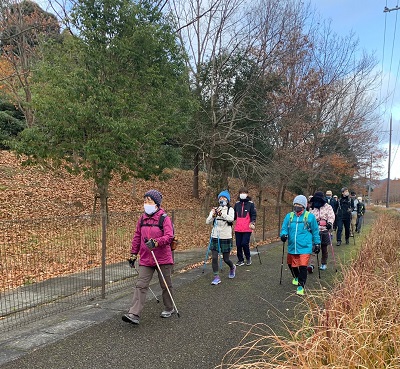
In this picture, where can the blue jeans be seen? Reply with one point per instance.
(243, 245)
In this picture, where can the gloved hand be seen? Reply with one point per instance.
(284, 238)
(151, 244)
(316, 248)
(132, 260)
(328, 226)
(252, 226)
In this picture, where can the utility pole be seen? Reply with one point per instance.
(370, 182)
(390, 150)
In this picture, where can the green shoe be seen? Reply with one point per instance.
(300, 290)
(295, 281)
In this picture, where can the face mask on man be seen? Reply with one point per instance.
(297, 209)
(150, 209)
(223, 203)
(243, 196)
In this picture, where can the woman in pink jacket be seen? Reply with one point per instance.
(154, 232)
(245, 216)
(325, 217)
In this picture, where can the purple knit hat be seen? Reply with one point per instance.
(155, 195)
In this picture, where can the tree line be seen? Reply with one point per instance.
(260, 90)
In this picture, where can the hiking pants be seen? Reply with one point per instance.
(243, 245)
(214, 260)
(360, 219)
(142, 285)
(340, 224)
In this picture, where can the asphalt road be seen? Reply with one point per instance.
(213, 320)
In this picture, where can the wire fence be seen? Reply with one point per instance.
(53, 264)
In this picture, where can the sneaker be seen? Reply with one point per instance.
(167, 314)
(310, 268)
(323, 267)
(248, 261)
(347, 241)
(300, 290)
(295, 281)
(216, 280)
(130, 318)
(339, 243)
(240, 263)
(232, 272)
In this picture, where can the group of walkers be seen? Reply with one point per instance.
(154, 234)
(307, 229)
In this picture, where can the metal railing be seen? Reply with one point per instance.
(53, 264)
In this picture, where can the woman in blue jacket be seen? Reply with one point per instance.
(300, 229)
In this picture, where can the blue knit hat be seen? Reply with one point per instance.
(155, 195)
(226, 194)
(301, 200)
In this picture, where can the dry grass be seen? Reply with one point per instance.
(359, 326)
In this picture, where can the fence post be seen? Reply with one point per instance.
(264, 225)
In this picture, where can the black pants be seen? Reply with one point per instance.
(340, 224)
(243, 245)
(300, 273)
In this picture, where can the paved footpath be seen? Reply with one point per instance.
(213, 320)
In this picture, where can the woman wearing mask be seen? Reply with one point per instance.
(221, 235)
(343, 216)
(245, 216)
(150, 237)
(300, 229)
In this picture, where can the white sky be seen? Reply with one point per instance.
(378, 32)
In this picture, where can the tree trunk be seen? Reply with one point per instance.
(195, 191)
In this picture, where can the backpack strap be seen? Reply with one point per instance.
(305, 220)
(159, 225)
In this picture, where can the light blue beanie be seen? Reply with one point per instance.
(226, 194)
(300, 199)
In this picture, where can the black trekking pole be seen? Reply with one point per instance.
(319, 270)
(165, 283)
(255, 243)
(283, 254)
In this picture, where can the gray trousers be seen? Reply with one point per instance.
(142, 285)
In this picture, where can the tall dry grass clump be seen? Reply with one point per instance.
(358, 326)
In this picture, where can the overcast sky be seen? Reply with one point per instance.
(378, 32)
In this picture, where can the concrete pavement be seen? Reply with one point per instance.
(213, 319)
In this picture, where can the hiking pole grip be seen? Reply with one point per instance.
(283, 254)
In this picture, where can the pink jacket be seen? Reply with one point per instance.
(324, 215)
(163, 252)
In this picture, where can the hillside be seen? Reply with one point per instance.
(34, 192)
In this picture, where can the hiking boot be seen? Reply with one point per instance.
(300, 290)
(216, 280)
(310, 268)
(232, 272)
(167, 314)
(248, 261)
(323, 267)
(339, 243)
(130, 318)
(295, 281)
(240, 263)
(347, 241)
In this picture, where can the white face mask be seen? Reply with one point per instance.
(150, 209)
(243, 196)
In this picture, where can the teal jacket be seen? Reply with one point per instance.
(301, 235)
